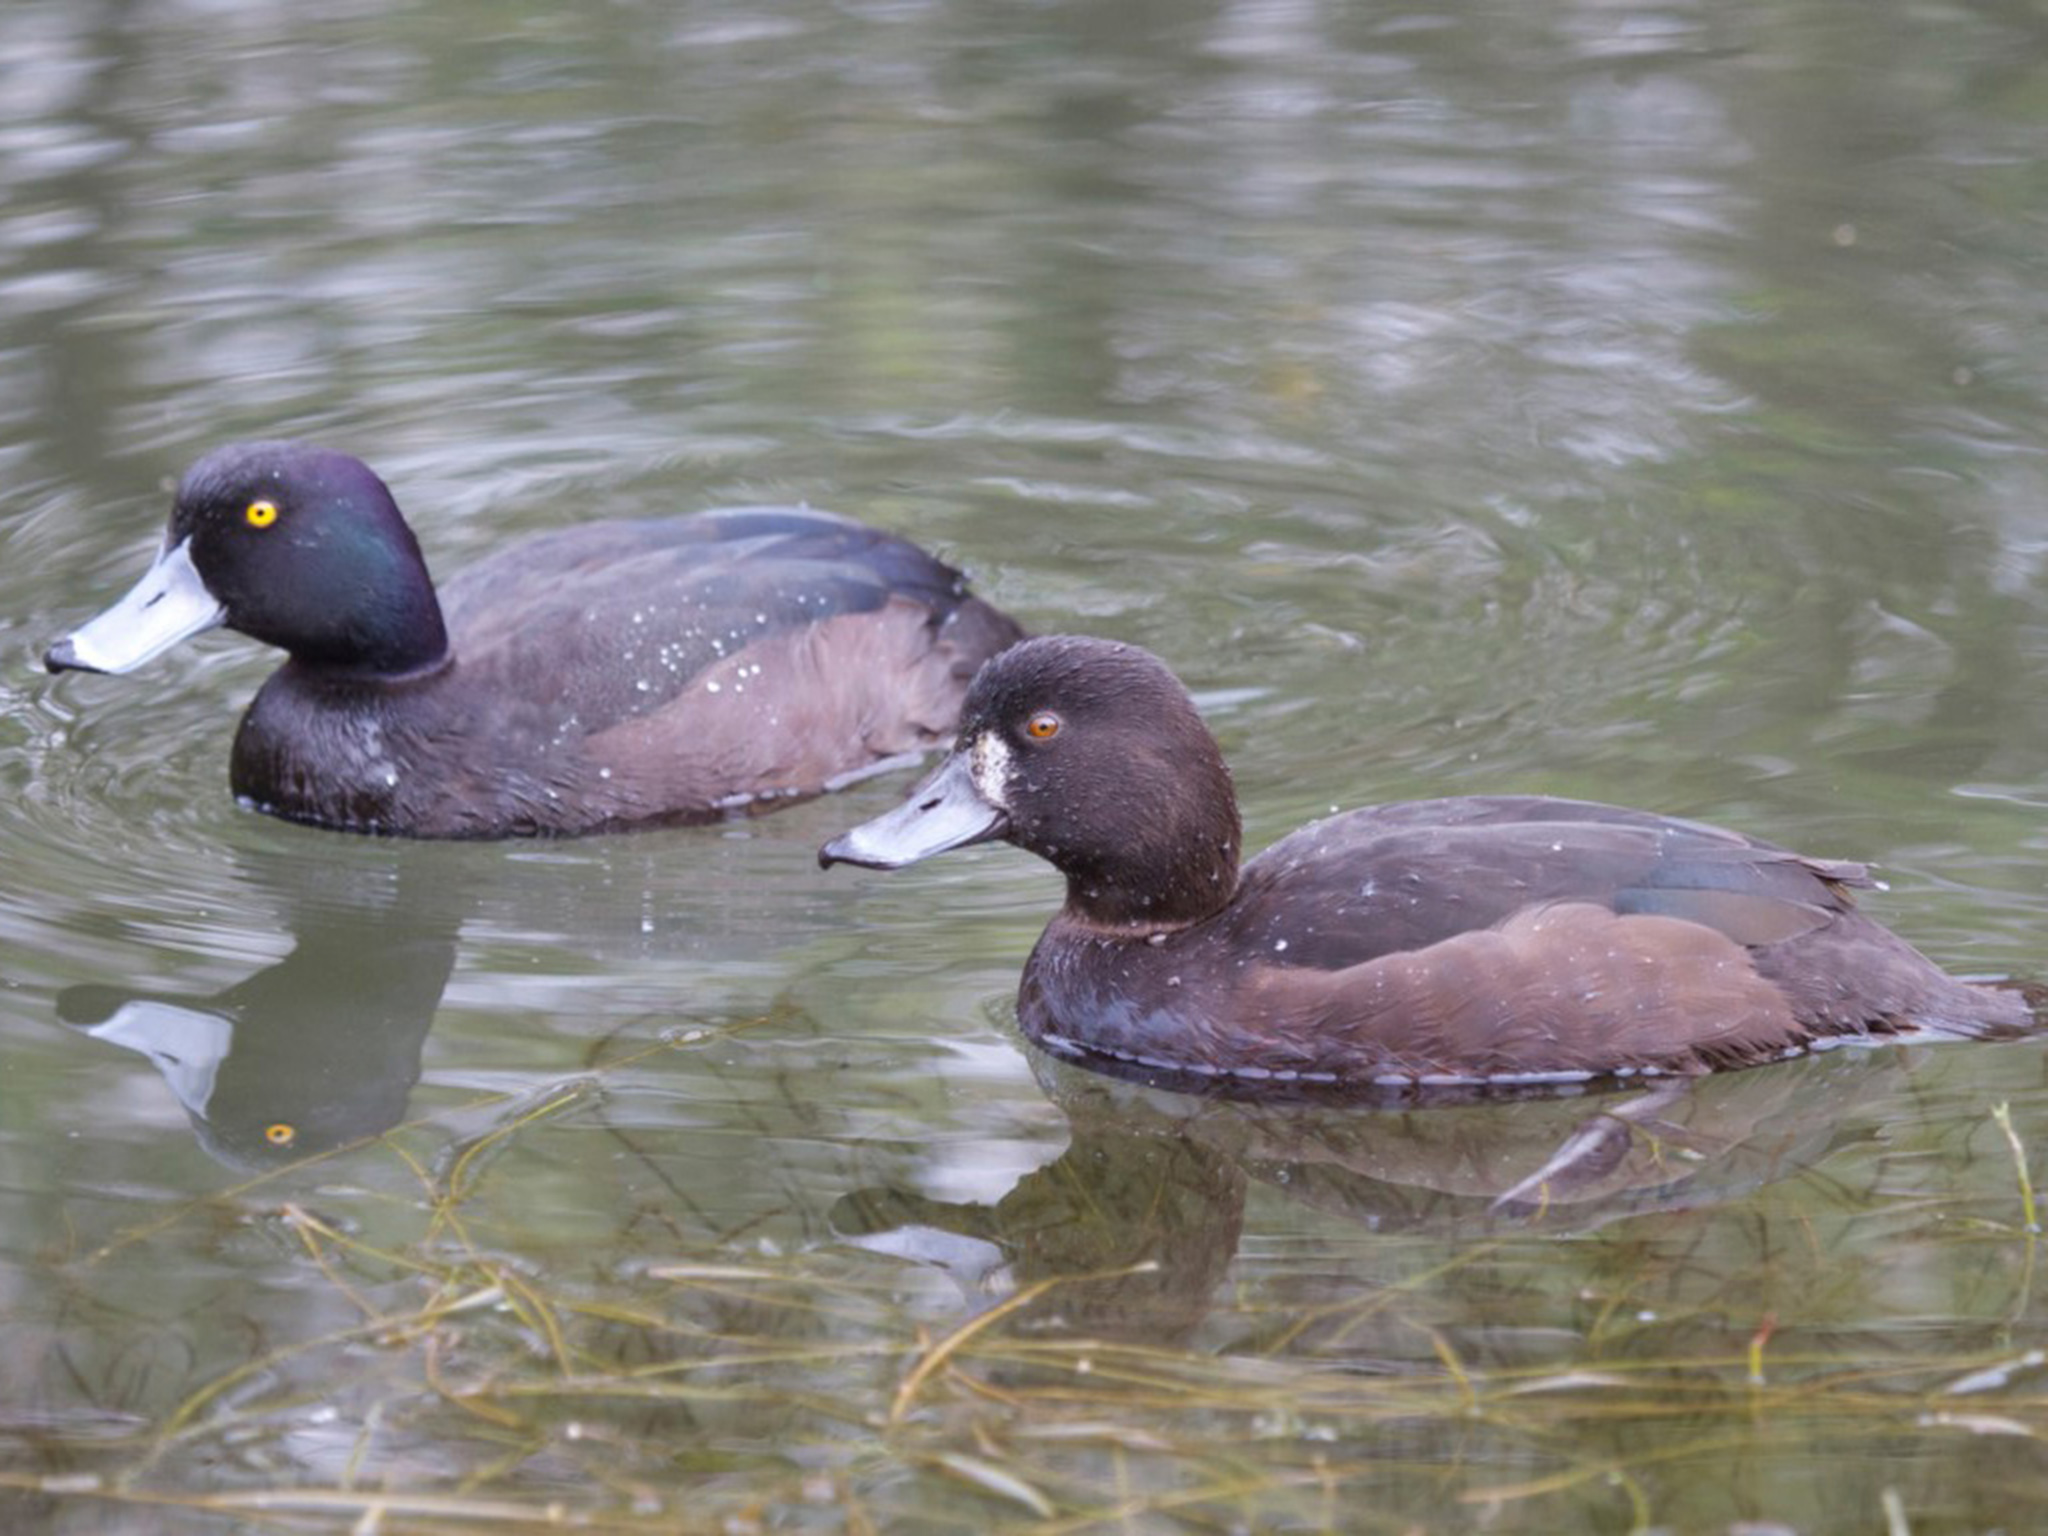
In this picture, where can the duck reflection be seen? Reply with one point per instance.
(1140, 1217)
(314, 1051)
(1138, 1225)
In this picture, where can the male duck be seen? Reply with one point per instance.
(603, 676)
(1491, 940)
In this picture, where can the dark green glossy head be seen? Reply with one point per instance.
(294, 545)
(306, 550)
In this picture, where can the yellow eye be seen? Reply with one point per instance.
(280, 1134)
(1042, 726)
(261, 514)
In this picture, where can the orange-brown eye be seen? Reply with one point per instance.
(280, 1134)
(261, 514)
(1042, 726)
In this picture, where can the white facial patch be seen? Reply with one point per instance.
(991, 767)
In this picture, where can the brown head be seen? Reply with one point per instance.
(1090, 754)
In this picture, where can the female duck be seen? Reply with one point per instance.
(603, 676)
(1503, 939)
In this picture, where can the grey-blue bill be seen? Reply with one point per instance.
(170, 603)
(946, 811)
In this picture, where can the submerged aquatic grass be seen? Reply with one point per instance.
(680, 1380)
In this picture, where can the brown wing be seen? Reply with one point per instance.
(1559, 988)
(1401, 877)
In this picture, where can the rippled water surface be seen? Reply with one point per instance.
(1634, 402)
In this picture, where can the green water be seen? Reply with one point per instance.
(1633, 402)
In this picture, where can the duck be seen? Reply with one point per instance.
(1489, 942)
(602, 676)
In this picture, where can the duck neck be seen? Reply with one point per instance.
(388, 672)
(423, 649)
(1135, 898)
(390, 643)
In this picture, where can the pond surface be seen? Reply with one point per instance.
(1633, 402)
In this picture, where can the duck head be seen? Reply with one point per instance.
(1090, 754)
